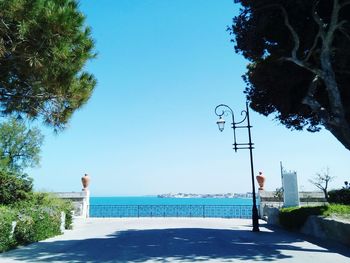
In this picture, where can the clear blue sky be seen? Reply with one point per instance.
(149, 128)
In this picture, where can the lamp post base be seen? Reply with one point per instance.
(255, 218)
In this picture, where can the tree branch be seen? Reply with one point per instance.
(329, 78)
(318, 20)
(312, 47)
(294, 34)
(303, 64)
(341, 23)
(314, 105)
(345, 3)
(344, 33)
(333, 23)
(292, 31)
(294, 58)
(309, 99)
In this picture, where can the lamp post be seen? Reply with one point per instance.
(223, 109)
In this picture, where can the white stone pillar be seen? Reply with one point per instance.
(63, 222)
(86, 204)
(290, 189)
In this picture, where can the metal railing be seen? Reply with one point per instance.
(219, 211)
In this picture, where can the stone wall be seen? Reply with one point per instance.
(327, 228)
(80, 200)
(267, 199)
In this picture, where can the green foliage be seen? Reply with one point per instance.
(292, 46)
(7, 216)
(50, 201)
(294, 218)
(341, 196)
(37, 218)
(19, 146)
(14, 188)
(279, 194)
(44, 45)
(337, 209)
(36, 223)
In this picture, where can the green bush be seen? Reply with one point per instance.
(293, 218)
(51, 201)
(7, 216)
(14, 188)
(38, 217)
(68, 208)
(341, 196)
(37, 223)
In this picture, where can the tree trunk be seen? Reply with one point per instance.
(335, 122)
(342, 133)
(325, 194)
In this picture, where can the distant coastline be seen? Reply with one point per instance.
(227, 195)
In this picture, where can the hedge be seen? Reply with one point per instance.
(37, 223)
(294, 218)
(50, 201)
(7, 216)
(341, 196)
(36, 219)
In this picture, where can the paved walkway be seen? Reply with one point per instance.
(176, 240)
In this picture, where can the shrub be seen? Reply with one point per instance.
(293, 218)
(13, 188)
(341, 196)
(39, 217)
(51, 201)
(7, 216)
(36, 223)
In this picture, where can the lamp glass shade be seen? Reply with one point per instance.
(221, 124)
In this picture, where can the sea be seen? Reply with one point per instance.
(153, 206)
(155, 200)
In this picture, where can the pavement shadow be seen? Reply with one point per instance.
(328, 244)
(167, 245)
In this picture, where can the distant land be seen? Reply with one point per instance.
(228, 195)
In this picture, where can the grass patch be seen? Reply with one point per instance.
(341, 211)
(293, 218)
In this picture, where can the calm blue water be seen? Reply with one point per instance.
(153, 200)
(146, 206)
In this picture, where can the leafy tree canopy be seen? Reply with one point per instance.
(299, 62)
(19, 146)
(44, 46)
(14, 187)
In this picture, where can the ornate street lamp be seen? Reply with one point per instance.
(223, 109)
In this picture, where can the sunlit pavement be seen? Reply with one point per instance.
(177, 240)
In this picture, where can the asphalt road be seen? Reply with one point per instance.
(177, 240)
